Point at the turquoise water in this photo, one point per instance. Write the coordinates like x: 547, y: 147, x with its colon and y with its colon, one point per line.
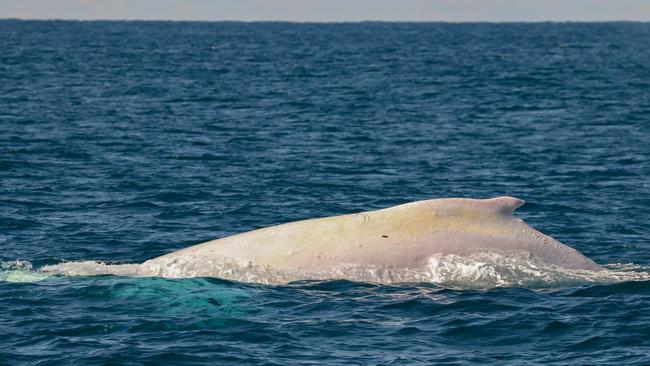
x: 123, y: 141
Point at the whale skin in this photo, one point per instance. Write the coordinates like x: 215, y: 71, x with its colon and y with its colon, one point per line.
x: 385, y: 245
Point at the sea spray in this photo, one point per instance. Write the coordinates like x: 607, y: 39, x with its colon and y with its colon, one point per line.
x: 480, y: 270
x: 19, y: 271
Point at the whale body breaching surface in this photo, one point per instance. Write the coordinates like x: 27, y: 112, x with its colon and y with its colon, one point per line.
x: 411, y: 242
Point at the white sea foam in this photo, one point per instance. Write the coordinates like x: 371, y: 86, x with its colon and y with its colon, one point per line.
x: 19, y: 271
x: 91, y: 268
x: 520, y: 269
x: 481, y: 270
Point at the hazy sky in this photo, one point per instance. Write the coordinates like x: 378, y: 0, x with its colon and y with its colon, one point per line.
x: 330, y: 10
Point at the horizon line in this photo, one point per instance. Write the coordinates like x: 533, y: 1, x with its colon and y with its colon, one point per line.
x: 317, y: 21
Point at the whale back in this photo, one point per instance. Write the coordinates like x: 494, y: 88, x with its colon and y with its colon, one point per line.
x: 401, y: 243
x: 403, y: 236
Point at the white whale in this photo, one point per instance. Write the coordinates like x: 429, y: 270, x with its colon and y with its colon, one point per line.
x: 395, y: 244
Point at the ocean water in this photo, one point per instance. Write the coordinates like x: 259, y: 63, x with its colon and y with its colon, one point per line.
x: 123, y: 141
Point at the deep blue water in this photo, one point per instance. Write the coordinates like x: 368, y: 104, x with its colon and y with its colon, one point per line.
x: 123, y: 141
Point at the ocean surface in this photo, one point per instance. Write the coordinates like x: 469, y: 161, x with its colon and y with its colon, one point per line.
x: 123, y: 141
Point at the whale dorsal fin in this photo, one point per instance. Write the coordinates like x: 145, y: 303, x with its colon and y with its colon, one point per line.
x: 505, y: 204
